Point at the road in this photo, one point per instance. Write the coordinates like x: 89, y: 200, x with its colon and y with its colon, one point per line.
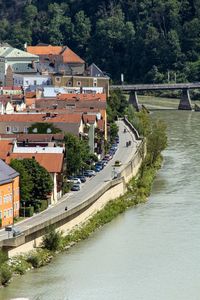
x: 90, y: 187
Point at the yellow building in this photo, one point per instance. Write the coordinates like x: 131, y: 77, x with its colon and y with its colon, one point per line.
x: 9, y: 194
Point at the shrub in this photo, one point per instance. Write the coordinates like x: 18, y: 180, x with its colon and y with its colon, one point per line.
x: 52, y: 240
x: 39, y: 258
x: 5, y: 274
x: 3, y: 257
x: 20, y: 265
x: 28, y: 211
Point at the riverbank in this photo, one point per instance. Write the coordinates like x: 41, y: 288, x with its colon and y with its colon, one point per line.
x: 138, y: 190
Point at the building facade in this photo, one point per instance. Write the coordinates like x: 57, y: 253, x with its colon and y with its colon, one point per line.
x: 9, y: 194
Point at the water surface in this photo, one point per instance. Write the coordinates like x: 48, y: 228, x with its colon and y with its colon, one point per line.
x: 151, y: 252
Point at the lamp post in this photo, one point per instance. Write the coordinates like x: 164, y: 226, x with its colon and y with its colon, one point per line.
x: 24, y: 209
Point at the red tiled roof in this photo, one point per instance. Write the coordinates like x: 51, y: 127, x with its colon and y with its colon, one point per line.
x: 70, y: 57
x: 45, y: 50
x: 67, y: 54
x: 5, y: 147
x: 86, y: 97
x: 11, y: 88
x: 33, y: 118
x: 52, y: 162
x: 89, y: 118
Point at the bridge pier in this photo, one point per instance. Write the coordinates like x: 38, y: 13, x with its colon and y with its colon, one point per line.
x: 185, y: 101
x: 133, y: 99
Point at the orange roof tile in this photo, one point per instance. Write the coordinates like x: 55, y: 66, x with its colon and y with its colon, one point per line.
x: 86, y: 97
x: 33, y: 118
x: 45, y: 50
x: 67, y: 54
x: 30, y: 101
x: 5, y: 147
x: 70, y: 57
x: 89, y: 118
x: 52, y: 162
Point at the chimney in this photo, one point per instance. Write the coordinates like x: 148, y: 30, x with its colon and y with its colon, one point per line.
x: 33, y: 64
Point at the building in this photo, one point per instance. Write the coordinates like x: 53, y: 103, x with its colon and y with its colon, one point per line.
x: 57, y: 59
x: 19, y: 123
x: 30, y: 80
x: 9, y: 194
x: 80, y: 81
x: 15, y: 61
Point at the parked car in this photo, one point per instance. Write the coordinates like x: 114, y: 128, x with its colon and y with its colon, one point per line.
x: 107, y: 157
x: 99, y: 165
x: 16, y: 232
x: 104, y: 162
x: 77, y: 180
x: 89, y: 173
x: 82, y: 178
x: 98, y: 168
x: 75, y: 187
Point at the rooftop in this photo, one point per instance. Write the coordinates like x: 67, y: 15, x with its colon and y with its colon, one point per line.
x: 7, y: 174
x: 52, y: 162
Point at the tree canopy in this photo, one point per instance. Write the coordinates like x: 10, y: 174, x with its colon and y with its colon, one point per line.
x: 35, y: 182
x: 147, y: 41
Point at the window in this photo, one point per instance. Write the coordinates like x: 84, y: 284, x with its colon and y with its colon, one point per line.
x: 27, y: 82
x: 69, y: 83
x: 58, y: 79
x: 94, y: 82
x: 15, y: 129
x: 8, y: 129
x: 25, y: 129
x: 35, y: 82
x: 78, y: 83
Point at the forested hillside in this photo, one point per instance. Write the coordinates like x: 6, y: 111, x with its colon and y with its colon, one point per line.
x: 144, y: 39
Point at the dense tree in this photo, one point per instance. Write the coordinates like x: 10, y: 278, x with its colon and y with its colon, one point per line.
x: 77, y: 153
x: 26, y: 184
x: 142, y: 39
x: 35, y: 182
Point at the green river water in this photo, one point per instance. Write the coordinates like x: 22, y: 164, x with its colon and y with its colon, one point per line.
x: 151, y: 252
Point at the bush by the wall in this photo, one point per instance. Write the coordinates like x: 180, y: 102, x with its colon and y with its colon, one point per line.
x: 28, y: 211
x: 5, y: 274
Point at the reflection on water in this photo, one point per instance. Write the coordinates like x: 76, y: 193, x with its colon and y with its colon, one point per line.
x: 152, y: 252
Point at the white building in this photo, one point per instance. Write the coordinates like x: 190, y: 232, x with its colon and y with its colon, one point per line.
x: 31, y: 80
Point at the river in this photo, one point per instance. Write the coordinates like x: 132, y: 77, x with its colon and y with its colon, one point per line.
x: 151, y: 252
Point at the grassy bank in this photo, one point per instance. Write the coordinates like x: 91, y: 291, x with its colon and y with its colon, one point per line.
x: 138, y: 190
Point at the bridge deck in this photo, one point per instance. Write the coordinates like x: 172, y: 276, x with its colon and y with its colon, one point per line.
x: 151, y: 87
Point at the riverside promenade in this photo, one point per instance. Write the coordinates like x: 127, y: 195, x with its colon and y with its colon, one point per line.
x: 94, y: 194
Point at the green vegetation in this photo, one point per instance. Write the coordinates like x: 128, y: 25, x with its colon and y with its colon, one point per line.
x: 43, y: 128
x: 35, y: 185
x: 78, y: 154
x: 148, y: 41
x: 52, y: 240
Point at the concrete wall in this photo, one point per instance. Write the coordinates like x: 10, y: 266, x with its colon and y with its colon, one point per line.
x: 80, y: 214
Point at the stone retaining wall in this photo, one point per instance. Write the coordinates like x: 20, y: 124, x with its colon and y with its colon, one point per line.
x: 68, y: 220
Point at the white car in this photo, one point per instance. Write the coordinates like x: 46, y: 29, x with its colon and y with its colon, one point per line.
x: 76, y: 180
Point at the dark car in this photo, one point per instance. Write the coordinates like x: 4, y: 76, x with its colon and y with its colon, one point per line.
x: 98, y: 168
x: 99, y: 165
x: 16, y: 232
x: 82, y: 178
x: 76, y: 187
